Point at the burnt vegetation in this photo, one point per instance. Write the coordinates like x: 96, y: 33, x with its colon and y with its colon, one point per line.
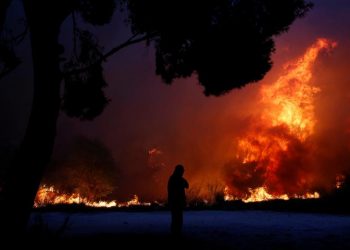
x: 334, y: 202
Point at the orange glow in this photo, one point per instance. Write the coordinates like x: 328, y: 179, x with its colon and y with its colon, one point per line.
x: 260, y: 194
x: 290, y: 100
x: 271, y: 152
x: 227, y: 195
x: 48, y: 195
x: 287, y: 120
x: 340, y: 178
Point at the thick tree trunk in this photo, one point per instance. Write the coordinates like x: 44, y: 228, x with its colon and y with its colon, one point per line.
x: 36, y: 148
x: 4, y: 4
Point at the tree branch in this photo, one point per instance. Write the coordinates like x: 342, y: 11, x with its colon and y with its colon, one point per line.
x: 75, y: 31
x: 130, y: 41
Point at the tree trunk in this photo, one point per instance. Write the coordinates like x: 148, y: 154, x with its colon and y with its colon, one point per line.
x: 4, y: 4
x: 36, y: 148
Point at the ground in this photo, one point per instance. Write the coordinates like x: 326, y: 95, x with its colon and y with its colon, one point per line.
x: 202, y: 229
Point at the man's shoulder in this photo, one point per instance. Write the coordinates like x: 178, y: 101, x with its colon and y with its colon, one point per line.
x: 185, y: 182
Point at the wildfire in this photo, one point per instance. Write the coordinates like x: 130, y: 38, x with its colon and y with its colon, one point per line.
x: 227, y: 195
x: 270, y: 154
x: 290, y: 100
x: 260, y: 194
x: 49, y: 195
x: 282, y: 129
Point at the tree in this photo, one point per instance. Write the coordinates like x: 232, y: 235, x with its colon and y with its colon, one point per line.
x: 8, y: 59
x: 226, y: 43
x: 36, y: 148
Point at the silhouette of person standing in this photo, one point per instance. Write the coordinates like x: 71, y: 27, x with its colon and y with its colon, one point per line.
x: 177, y: 198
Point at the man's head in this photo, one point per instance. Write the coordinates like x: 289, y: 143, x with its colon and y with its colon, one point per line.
x: 179, y: 170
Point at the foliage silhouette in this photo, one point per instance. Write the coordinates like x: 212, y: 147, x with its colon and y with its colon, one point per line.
x: 227, y: 44
x: 83, y: 91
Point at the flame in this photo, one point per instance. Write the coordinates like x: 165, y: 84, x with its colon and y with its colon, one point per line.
x: 227, y: 195
x: 287, y: 120
x: 260, y: 194
x: 49, y: 195
x: 135, y: 202
x: 290, y: 100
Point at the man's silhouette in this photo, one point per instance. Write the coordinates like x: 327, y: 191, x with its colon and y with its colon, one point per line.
x: 177, y: 198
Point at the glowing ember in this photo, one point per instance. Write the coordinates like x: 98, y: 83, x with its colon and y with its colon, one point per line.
x: 49, y: 195
x: 277, y: 136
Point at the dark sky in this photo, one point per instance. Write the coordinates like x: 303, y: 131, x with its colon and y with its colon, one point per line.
x: 178, y: 120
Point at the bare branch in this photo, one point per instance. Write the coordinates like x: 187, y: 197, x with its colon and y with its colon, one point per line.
x: 130, y: 41
x: 75, y: 31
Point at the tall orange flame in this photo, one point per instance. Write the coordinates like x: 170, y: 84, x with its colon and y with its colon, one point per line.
x: 286, y: 122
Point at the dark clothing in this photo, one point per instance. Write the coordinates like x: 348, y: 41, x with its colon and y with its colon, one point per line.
x: 176, y: 191
x: 177, y: 201
x: 176, y: 221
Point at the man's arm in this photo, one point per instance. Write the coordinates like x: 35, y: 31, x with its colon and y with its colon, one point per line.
x: 185, y: 184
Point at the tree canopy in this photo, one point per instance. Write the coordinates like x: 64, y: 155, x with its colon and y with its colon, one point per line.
x: 226, y: 43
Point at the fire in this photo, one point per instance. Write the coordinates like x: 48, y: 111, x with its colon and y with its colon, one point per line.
x: 290, y: 100
x: 49, y: 195
x: 227, y: 195
x: 286, y: 122
x: 270, y: 153
x: 135, y: 202
x: 260, y: 194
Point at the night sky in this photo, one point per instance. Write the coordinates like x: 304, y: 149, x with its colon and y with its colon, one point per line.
x: 179, y: 120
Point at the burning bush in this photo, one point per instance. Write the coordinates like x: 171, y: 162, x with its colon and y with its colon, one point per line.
x: 88, y: 169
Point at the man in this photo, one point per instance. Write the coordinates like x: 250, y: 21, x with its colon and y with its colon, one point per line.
x: 177, y: 198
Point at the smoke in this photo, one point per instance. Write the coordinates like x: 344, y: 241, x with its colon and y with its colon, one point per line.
x: 151, y: 131
x: 203, y: 133
x: 179, y: 125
